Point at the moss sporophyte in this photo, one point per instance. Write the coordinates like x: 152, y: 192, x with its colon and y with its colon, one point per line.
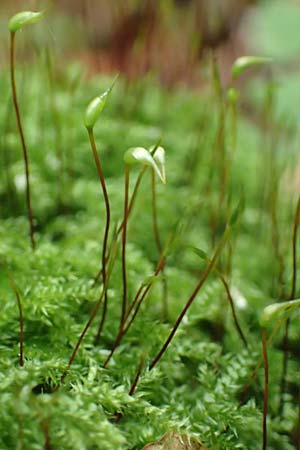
x: 17, y: 22
x: 169, y: 371
x: 92, y: 114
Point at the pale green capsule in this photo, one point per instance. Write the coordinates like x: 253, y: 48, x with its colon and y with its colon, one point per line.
x: 245, y: 62
x: 95, y: 107
x: 141, y: 155
x: 277, y: 310
x: 159, y: 158
x: 23, y: 18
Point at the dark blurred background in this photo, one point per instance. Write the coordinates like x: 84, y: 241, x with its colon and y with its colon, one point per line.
x: 168, y: 37
x: 171, y: 39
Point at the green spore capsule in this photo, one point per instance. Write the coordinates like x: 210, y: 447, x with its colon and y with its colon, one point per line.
x: 23, y: 18
x: 160, y: 159
x: 141, y: 155
x: 277, y: 311
x: 245, y: 62
x: 95, y: 107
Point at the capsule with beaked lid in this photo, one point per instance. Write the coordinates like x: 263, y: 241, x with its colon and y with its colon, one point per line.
x: 24, y: 18
x: 276, y: 311
x: 95, y: 107
x: 139, y: 155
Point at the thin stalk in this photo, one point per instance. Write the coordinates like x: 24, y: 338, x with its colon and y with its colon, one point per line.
x: 137, y: 376
x: 266, y: 388
x: 88, y: 324
x: 11, y: 191
x: 119, y: 415
x: 21, y: 320
x: 133, y: 196
x: 82, y: 335
x: 114, y: 346
x: 192, y: 297
x: 22, y: 137
x: 139, y: 302
x: 159, y: 245
x: 259, y: 363
x: 124, y: 235
x: 220, y: 147
x: 231, y: 302
x: 131, y: 203
x: 292, y: 296
x: 138, y: 299
x: 121, y: 331
x: 106, y: 231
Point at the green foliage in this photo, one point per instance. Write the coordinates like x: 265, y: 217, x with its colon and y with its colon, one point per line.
x: 198, y: 385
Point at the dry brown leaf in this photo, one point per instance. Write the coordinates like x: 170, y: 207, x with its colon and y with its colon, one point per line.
x: 175, y: 441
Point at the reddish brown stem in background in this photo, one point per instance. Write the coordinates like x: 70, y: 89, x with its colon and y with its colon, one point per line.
x: 137, y: 300
x: 121, y: 331
x: 292, y: 296
x: 133, y: 197
x: 137, y: 376
x: 231, y: 302
x: 81, y: 337
x: 131, y: 203
x: 106, y: 231
x: 119, y: 416
x: 259, y: 363
x: 266, y: 388
x: 21, y: 320
x: 191, y: 298
x: 22, y: 137
x: 124, y: 235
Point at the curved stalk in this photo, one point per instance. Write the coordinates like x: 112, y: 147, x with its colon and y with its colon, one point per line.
x: 232, y: 307
x: 192, y: 297
x: 22, y: 137
x: 106, y: 231
x: 119, y: 416
x: 138, y: 300
x: 81, y: 337
x: 137, y: 376
x: 131, y: 203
